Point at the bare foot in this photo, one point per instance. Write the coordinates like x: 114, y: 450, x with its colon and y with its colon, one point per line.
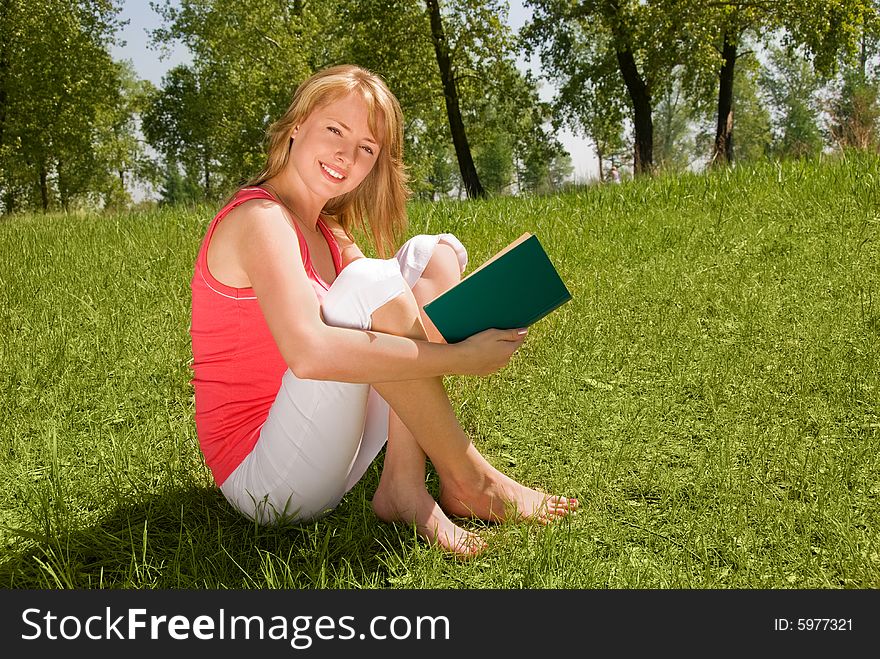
x: 431, y: 522
x: 501, y: 498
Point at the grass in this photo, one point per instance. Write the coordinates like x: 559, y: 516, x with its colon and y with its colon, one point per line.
x: 710, y: 394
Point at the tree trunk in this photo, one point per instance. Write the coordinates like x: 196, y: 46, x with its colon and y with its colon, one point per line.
x: 206, y: 164
x: 722, y: 152
x: 643, y: 150
x: 4, y: 68
x: 63, y: 189
x: 44, y: 187
x: 453, y: 109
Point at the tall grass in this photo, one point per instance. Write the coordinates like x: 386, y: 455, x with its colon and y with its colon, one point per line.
x: 710, y: 394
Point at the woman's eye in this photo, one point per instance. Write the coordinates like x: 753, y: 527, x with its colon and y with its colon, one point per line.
x: 334, y: 130
x: 368, y: 149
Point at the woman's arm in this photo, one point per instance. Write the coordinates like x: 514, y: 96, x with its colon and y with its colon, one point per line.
x: 268, y: 250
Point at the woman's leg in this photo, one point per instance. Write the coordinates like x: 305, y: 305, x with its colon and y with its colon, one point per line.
x: 423, y: 422
x: 401, y: 495
x: 319, y: 436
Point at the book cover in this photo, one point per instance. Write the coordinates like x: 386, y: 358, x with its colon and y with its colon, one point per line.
x: 515, y: 288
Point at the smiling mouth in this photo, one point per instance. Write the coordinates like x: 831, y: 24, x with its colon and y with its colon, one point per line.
x: 339, y: 176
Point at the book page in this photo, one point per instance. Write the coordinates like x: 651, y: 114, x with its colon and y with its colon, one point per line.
x: 504, y: 251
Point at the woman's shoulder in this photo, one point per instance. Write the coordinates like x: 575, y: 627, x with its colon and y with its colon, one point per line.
x: 251, y: 218
x: 253, y: 203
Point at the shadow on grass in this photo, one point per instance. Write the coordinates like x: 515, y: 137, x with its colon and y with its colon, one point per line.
x: 190, y: 537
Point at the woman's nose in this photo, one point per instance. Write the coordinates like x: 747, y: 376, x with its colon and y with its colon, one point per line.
x: 346, y: 153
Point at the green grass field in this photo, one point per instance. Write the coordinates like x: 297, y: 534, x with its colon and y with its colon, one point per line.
x: 710, y: 394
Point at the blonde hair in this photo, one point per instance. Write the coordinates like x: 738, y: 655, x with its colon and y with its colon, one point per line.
x: 378, y: 204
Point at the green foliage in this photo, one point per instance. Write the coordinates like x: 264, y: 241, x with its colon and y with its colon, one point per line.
x: 827, y: 29
x: 753, y: 135
x: 371, y: 33
x: 495, y: 163
x: 577, y: 47
x: 248, y: 56
x: 178, y: 188
x: 118, y: 146
x: 180, y: 122
x: 855, y: 111
x: 70, y: 116
x: 824, y: 30
x: 673, y: 130
x: 676, y: 47
x: 65, y: 129
x: 792, y: 86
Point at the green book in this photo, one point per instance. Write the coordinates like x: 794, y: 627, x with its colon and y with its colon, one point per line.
x: 515, y: 288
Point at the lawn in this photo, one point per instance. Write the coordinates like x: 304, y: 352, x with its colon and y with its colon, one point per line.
x: 710, y: 394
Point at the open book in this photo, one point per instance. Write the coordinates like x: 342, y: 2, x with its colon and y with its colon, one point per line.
x: 515, y: 288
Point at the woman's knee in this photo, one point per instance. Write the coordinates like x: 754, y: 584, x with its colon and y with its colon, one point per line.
x: 440, y: 274
x: 443, y: 266
x: 440, y: 257
x: 363, y: 287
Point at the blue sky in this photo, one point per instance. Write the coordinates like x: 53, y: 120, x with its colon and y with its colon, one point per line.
x: 151, y: 64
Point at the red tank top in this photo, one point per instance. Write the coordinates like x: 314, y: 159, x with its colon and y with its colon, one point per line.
x: 237, y: 367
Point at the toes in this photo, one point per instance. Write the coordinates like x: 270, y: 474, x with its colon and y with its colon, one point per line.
x: 563, y: 504
x: 556, y: 507
x: 467, y: 546
x: 472, y: 545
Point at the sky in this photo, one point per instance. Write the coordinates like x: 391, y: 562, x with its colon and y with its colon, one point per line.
x: 151, y: 64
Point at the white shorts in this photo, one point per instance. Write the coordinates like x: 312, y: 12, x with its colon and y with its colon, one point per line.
x: 321, y: 436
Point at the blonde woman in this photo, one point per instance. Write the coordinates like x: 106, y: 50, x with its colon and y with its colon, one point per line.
x: 301, y: 343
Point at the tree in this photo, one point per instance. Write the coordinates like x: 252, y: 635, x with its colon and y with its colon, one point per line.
x: 753, y: 127
x: 177, y: 188
x: 596, y: 48
x: 855, y: 110
x: 453, y: 107
x: 792, y: 85
x: 543, y: 173
x: 370, y: 33
x: 825, y: 28
x: 181, y: 122
x: 58, y: 85
x: 117, y: 143
x: 247, y: 58
x: 487, y: 111
x: 673, y: 146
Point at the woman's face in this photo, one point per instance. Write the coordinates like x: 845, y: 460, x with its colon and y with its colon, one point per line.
x: 334, y: 148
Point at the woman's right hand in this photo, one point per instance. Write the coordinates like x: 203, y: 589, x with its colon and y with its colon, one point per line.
x: 490, y: 350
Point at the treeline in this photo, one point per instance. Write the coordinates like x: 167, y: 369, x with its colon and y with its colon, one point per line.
x: 666, y: 68
x: 657, y: 84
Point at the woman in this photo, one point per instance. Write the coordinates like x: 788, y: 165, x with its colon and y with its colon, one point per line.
x: 300, y: 343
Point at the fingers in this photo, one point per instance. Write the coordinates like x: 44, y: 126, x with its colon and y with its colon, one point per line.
x: 515, y: 335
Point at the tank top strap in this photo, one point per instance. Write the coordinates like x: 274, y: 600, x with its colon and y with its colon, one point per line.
x: 335, y: 252
x: 243, y: 195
